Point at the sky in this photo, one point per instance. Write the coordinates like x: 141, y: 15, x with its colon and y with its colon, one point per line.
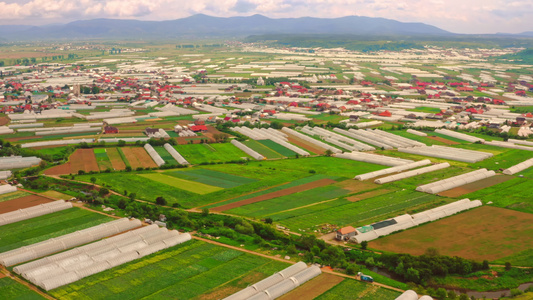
x: 459, y: 16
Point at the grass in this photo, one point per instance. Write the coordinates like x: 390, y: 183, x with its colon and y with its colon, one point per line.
x: 10, y: 289
x: 202, y: 153
x: 165, y: 155
x: 56, y: 153
x: 16, y: 235
x: 263, y: 149
x: 278, y: 148
x: 13, y: 195
x: 431, y: 110
x: 504, y: 160
x: 283, y: 203
x: 350, y: 289
x: 123, y: 157
x: 191, y: 186
x: 212, y: 178
x: 505, y: 280
x: 181, y: 272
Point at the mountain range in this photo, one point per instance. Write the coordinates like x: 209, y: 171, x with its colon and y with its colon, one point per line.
x: 203, y: 26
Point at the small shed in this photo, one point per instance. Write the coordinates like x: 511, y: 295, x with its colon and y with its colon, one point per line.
x: 345, y: 233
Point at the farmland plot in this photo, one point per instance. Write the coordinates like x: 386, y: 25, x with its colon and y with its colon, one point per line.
x: 182, y: 272
x: 22, y: 202
x: 137, y: 157
x: 102, y: 159
x: 44, y: 227
x: 513, y: 194
x: 191, y: 186
x: 11, y: 289
x: 278, y: 148
x: 262, y: 149
x: 220, y: 152
x: 116, y: 160
x: 352, y: 289
x: 213, y: 178
x: 165, y: 155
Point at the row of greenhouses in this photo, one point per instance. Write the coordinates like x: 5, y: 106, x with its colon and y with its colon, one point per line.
x: 455, y: 181
x: 270, y: 134
x: 278, y: 284
x: 70, y: 266
x: 64, y: 242
x: 374, y: 158
x: 457, y: 154
x: 6, y: 188
x: 508, y: 145
x: 412, y: 173
x: 519, y: 167
x: 310, y: 140
x: 154, y: 155
x: 458, y: 135
x: 34, y: 211
x: 337, y: 139
x: 369, y: 232
x: 395, y: 169
x: 56, y: 143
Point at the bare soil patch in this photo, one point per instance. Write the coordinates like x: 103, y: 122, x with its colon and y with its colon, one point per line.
x: 483, y: 233
x: 144, y: 158
x: 59, y: 170
x: 443, y: 140
x: 356, y: 186
x: 367, y: 195
x: 313, y: 288
x: 284, y: 192
x: 305, y: 144
x: 23, y: 202
x: 116, y: 160
x: 81, y: 159
x: 474, y: 186
x: 26, y: 54
x: 4, y: 121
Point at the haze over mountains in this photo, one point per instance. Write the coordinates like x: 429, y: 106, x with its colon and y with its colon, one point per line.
x: 203, y: 26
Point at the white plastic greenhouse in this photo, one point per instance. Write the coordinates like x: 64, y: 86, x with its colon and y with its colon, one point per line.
x: 408, y: 295
x: 154, y: 155
x: 374, y: 158
x: 278, y: 284
x: 337, y: 139
x: 5, y: 175
x: 127, y: 140
x: 396, y: 169
x: 508, y: 145
x: 6, y: 130
x: 67, y: 267
x: 34, y: 211
x: 457, y: 154
x: 67, y: 241
x: 18, y: 162
x: 412, y: 173
x: 456, y: 181
x: 416, y: 132
x: 360, y: 135
x: 519, y: 167
x: 458, y: 135
x: 522, y: 142
x: 56, y: 143
x: 4, y: 189
x: 175, y: 154
x: 247, y: 150
x: 407, y: 221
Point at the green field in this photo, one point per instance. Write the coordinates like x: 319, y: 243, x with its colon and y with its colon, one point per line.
x: 102, y: 159
x: 16, y: 235
x: 344, y: 212
x: 268, y: 173
x: 278, y: 148
x: 201, y: 153
x: 123, y: 157
x: 352, y: 289
x: 13, y: 195
x: 212, y: 178
x: 280, y: 187
x: 182, y: 272
x: 165, y: 155
x: 191, y: 186
x: 504, y: 160
x: 513, y: 194
x: 262, y: 149
x: 10, y: 290
x: 431, y: 110
x: 272, y: 206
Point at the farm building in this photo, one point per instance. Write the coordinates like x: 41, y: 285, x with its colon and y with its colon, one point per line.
x: 345, y: 233
x: 198, y: 128
x: 110, y: 130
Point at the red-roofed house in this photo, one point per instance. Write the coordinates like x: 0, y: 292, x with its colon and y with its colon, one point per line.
x: 345, y: 233
x: 197, y: 128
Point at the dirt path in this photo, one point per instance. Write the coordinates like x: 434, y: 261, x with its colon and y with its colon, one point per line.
x: 284, y: 192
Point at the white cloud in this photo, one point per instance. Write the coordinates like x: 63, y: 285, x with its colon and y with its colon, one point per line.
x: 473, y: 16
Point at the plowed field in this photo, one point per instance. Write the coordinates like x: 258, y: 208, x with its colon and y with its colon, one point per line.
x: 81, y: 159
x: 314, y: 288
x: 23, y: 202
x: 138, y: 157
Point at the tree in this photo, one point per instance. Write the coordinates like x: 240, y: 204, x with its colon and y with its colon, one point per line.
x: 132, y: 196
x: 485, y: 264
x: 103, y: 192
x: 364, y: 245
x: 352, y: 269
x: 412, y: 275
x: 452, y: 295
x: 432, y: 251
x: 205, y: 211
x: 463, y: 297
x: 507, y: 266
x: 93, y: 180
x: 328, y: 152
x: 121, y: 143
x: 160, y: 201
x: 441, y: 294
x: 269, y: 220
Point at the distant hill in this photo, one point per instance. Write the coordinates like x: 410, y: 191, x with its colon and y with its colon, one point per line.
x: 203, y: 26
